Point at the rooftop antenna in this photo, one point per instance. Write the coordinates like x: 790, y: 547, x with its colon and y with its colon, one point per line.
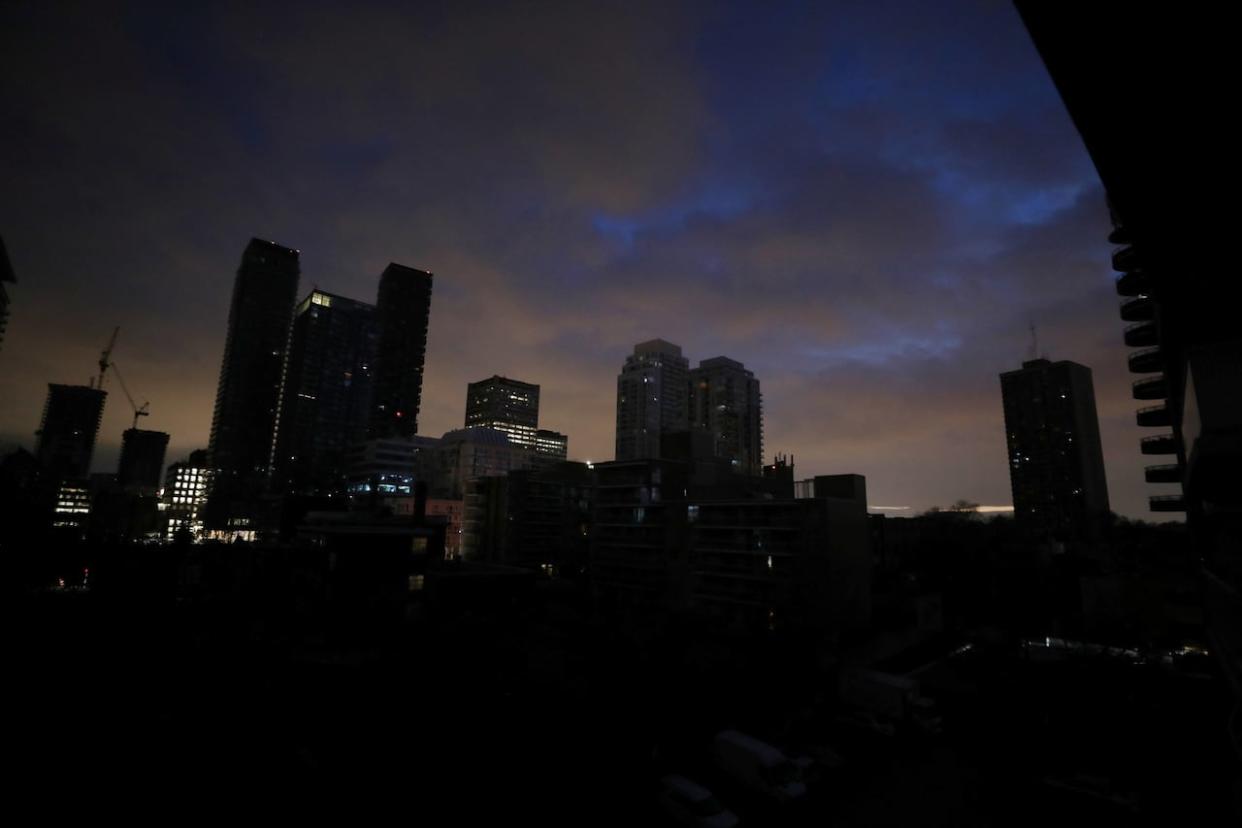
x: 1034, y: 341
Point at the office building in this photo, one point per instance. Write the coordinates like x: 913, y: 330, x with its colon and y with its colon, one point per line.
x: 386, y: 467
x: 71, y: 418
x: 142, y: 461
x: 325, y: 399
x: 550, y: 447
x: 248, y: 394
x: 1056, y: 465
x: 72, y: 507
x: 651, y: 398
x: 725, y: 401
x: 402, y: 310
x: 185, y: 495
x: 506, y: 405
x: 466, y: 454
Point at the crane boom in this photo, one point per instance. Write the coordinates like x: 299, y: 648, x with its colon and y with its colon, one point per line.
x: 138, y: 411
x: 105, y: 358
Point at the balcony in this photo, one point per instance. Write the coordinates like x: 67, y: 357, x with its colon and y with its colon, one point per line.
x: 1167, y: 503
x: 1132, y: 283
x: 1147, y: 361
x: 1151, y: 388
x: 1125, y: 259
x: 1167, y: 473
x: 1158, y: 444
x: 1154, y: 416
x: 1142, y: 335
x: 1138, y: 309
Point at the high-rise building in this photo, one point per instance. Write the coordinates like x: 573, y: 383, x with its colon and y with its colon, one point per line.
x: 71, y: 418
x: 185, y: 495
x: 725, y: 401
x: 325, y: 399
x: 142, y: 460
x: 264, y: 292
x: 1056, y: 465
x: 506, y: 405
x: 6, y: 275
x: 651, y: 398
x: 402, y: 311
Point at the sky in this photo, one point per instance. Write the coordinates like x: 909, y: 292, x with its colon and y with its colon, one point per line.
x: 867, y: 204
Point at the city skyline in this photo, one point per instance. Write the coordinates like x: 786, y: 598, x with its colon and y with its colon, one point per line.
x: 858, y: 286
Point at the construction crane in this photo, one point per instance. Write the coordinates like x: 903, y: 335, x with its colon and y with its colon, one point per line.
x: 105, y: 358
x: 106, y: 362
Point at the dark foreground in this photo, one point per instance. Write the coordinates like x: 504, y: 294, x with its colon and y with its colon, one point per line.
x: 165, y: 710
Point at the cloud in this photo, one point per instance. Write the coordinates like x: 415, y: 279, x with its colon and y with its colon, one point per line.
x: 866, y: 206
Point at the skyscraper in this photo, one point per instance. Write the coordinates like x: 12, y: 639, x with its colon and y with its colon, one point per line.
x: 1056, y: 465
x: 402, y: 311
x: 246, y: 400
x: 142, y: 460
x: 71, y: 418
x: 249, y: 390
x: 651, y: 398
x: 725, y: 401
x: 506, y: 405
x: 325, y: 399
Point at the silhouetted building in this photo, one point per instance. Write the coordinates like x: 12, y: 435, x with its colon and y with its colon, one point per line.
x: 638, y: 559
x: 244, y: 421
x: 185, y: 495
x: 466, y: 454
x: 676, y: 536
x: 142, y: 461
x: 6, y: 275
x: 402, y: 311
x: 725, y: 401
x: 779, y: 473
x: 841, y: 486
x: 1056, y: 465
x: 651, y: 398
x: 325, y: 401
x: 506, y: 405
x: 537, y: 518
x: 1184, y: 315
x: 71, y: 418
x: 387, y: 467
x: 781, y: 564
x: 550, y: 447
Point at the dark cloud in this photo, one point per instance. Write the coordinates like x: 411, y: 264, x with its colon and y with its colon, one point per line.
x: 866, y: 206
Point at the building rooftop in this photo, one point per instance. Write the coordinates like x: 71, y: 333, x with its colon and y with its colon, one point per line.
x: 657, y: 346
